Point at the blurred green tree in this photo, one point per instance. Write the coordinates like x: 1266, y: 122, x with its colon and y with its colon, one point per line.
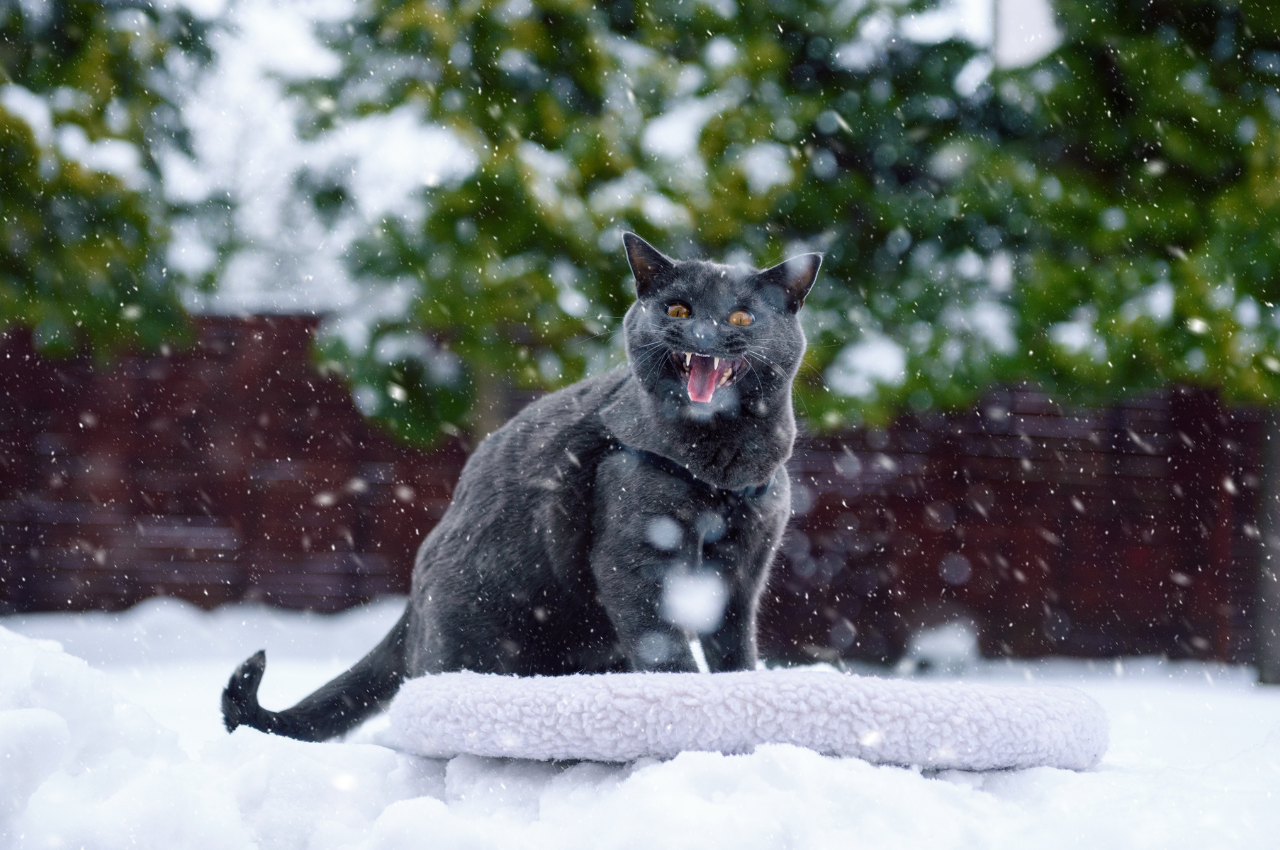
x: 741, y: 131
x: 1135, y: 182
x: 83, y: 98
x: 1096, y: 222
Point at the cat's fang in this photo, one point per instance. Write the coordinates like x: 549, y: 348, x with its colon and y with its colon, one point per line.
x: 687, y: 357
x: 717, y: 363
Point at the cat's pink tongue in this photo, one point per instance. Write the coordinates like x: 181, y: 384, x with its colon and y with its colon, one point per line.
x: 703, y: 377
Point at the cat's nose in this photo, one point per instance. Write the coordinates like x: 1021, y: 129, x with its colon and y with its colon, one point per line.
x: 704, y: 333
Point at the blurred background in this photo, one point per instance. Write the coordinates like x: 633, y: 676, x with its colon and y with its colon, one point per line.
x: 270, y: 269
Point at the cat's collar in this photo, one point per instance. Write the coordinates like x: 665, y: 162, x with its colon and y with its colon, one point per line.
x: 677, y: 470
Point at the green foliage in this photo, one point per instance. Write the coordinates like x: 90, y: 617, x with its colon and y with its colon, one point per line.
x: 518, y: 268
x: 81, y: 221
x: 1098, y: 223
x: 1143, y: 182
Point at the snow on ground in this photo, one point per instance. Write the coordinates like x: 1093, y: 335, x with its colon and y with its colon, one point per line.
x: 125, y: 748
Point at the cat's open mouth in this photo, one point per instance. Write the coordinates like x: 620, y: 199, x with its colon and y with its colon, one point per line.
x: 706, y: 374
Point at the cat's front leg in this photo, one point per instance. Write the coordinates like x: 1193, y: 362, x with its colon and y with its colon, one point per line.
x: 633, y: 605
x: 636, y: 543
x: 732, y: 646
x: 632, y: 599
x: 743, y: 554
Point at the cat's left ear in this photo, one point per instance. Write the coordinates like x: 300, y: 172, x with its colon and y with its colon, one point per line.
x: 794, y: 276
x: 650, y: 266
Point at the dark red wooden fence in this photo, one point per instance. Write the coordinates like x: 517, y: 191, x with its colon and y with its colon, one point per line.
x: 1125, y: 530
x: 231, y: 471
x: 236, y: 470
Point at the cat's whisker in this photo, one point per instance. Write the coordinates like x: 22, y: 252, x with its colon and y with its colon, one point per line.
x: 649, y: 359
x: 764, y: 359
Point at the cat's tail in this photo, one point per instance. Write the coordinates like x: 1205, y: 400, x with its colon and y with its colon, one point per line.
x: 333, y: 709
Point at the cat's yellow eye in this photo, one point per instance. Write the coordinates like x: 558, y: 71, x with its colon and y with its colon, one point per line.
x: 741, y: 318
x: 678, y: 310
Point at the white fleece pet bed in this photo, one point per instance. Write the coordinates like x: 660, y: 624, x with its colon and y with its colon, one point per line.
x: 624, y: 716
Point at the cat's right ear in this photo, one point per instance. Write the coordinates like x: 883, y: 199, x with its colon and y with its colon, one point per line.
x: 649, y: 265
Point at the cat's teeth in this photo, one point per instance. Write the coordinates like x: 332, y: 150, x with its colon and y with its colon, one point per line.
x: 716, y: 365
x: 687, y: 357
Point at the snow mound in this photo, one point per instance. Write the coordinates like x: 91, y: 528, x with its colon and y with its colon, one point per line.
x: 81, y: 766
x: 67, y: 740
x: 625, y: 716
x: 87, y: 759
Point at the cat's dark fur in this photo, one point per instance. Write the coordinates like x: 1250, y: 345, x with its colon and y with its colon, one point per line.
x: 553, y: 555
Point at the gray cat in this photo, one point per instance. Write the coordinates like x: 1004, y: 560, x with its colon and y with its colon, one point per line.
x: 572, y: 523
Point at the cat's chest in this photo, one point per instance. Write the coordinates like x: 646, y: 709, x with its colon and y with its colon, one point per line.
x: 660, y: 500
